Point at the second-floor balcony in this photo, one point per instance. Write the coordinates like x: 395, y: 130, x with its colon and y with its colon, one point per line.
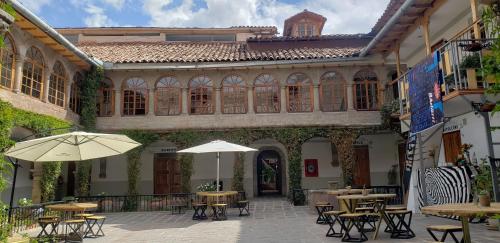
x: 461, y: 68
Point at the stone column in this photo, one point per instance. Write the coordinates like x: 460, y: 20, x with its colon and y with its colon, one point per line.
x: 36, y: 190
x: 350, y: 96
x: 67, y: 95
x: 184, y: 101
x: 218, y: 107
x: 316, y: 97
x: 118, y: 103
x: 283, y: 99
x: 151, y: 101
x: 250, y: 107
x: 18, y: 78
x: 46, y: 85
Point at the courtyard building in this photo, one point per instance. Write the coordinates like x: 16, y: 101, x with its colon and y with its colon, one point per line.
x: 332, y: 94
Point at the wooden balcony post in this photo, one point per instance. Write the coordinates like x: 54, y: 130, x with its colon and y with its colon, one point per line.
x: 473, y: 7
x: 425, y: 30
x: 398, y: 60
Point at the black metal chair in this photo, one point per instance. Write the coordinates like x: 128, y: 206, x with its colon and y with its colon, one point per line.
x: 446, y: 229
x: 401, y: 224
x: 322, y: 207
x: 96, y: 221
x: 244, y: 207
x: 333, y: 217
x: 199, y: 211
x: 352, y: 221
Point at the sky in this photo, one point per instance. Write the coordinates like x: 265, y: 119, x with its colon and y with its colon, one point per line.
x: 343, y: 16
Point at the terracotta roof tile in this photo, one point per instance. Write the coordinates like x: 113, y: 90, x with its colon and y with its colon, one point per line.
x: 162, y: 52
x: 391, y: 9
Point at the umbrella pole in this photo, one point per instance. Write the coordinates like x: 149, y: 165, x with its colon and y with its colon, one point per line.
x: 217, y: 186
x: 11, y: 203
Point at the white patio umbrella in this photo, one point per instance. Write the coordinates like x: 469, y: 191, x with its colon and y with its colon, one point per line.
x: 74, y: 146
x: 217, y: 146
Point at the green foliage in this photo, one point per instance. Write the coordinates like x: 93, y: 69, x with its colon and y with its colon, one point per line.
x: 24, y: 202
x: 491, y: 60
x: 238, y: 172
x: 483, y: 183
x: 6, y: 123
x: 471, y: 61
x: 134, y: 157
x: 5, y: 229
x: 48, y: 183
x: 89, y: 98
x: 7, y: 7
x: 186, y: 161
x: 83, y: 177
x: 386, y: 112
x: 206, y: 187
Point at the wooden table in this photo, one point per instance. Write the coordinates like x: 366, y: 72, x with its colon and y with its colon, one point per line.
x: 351, y: 200
x: 72, y: 207
x: 463, y: 210
x: 347, y: 191
x: 216, y: 195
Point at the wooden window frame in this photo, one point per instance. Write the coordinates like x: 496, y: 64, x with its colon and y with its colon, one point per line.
x: 30, y: 62
x: 210, y: 90
x: 11, y: 53
x: 57, y: 91
x: 322, y: 84
x: 167, y: 81
x: 231, y: 85
x: 136, y: 93
x: 301, y: 87
x: 267, y: 82
x: 100, y: 97
x: 365, y: 81
x: 75, y: 96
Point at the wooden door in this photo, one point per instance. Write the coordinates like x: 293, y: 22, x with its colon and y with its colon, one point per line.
x: 167, y: 175
x: 452, y: 146
x: 361, y: 170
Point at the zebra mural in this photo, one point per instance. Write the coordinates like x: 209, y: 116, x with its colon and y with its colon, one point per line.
x: 445, y: 185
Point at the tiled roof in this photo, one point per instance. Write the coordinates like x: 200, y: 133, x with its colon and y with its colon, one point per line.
x: 309, y: 38
x: 162, y: 52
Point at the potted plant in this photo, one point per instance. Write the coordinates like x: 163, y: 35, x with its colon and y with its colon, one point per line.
x: 469, y: 66
x: 483, y: 185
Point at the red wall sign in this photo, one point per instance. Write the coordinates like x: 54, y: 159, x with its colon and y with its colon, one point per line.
x: 311, y: 167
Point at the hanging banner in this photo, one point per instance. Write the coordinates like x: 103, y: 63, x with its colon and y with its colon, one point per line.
x: 426, y: 105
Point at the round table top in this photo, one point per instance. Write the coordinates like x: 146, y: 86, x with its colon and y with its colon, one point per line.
x: 217, y: 194
x: 74, y: 207
x: 347, y: 191
x: 369, y: 196
x: 461, y: 209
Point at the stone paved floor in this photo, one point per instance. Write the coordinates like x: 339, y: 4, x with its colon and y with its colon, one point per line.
x: 271, y: 220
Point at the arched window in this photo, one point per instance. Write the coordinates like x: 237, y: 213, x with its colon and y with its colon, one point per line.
x: 266, y: 94
x: 105, y: 98
x: 300, y: 93
x: 135, y: 97
x: 366, y: 90
x: 75, y: 101
x: 33, y: 73
x: 57, y: 84
x: 234, y: 95
x: 7, y: 63
x: 332, y: 91
x: 168, y: 97
x: 201, y: 98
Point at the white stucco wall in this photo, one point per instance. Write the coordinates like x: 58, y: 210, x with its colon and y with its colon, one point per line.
x: 320, y: 149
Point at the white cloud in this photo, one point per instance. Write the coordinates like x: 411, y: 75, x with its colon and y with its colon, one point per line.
x: 35, y: 5
x: 117, y: 4
x: 353, y: 16
x: 96, y: 17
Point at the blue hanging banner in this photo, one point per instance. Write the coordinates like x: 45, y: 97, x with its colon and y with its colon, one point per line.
x: 426, y: 103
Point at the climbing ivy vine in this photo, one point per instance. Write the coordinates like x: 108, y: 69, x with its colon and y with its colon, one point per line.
x: 41, y: 125
x: 50, y: 172
x: 89, y: 98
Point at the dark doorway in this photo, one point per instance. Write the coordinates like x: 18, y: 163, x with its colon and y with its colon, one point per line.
x: 402, y: 160
x: 269, y: 173
x: 70, y: 188
x: 361, y: 166
x: 167, y: 174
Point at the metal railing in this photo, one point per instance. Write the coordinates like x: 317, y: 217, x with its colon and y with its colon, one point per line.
x: 25, y: 217
x: 460, y: 64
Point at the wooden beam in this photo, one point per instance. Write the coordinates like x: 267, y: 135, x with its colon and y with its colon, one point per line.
x: 398, y: 60
x: 473, y: 8
x: 425, y: 32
